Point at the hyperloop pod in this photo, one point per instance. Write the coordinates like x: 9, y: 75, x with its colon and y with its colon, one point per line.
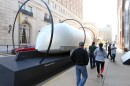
x: 126, y: 58
x: 65, y: 38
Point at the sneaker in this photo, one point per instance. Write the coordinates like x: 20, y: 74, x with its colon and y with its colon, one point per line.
x: 98, y: 76
x: 101, y: 75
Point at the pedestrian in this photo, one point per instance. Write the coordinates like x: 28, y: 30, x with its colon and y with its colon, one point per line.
x: 113, y: 52
x: 100, y: 55
x: 109, y: 51
x: 91, y: 55
x: 80, y: 58
x: 106, y: 46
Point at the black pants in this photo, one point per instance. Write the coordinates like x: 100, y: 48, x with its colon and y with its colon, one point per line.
x: 113, y: 57
x: 109, y: 53
x: 92, y: 60
x: 100, y: 67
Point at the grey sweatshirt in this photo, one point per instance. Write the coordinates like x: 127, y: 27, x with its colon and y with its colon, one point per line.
x: 100, y: 55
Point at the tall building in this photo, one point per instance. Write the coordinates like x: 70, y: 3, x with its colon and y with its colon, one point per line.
x: 33, y: 16
x: 105, y: 34
x: 120, y: 15
x: 124, y: 23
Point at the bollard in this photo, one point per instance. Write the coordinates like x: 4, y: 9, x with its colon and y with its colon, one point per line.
x: 7, y: 48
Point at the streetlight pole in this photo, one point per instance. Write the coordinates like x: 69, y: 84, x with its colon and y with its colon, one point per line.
x: 81, y: 26
x: 52, y: 26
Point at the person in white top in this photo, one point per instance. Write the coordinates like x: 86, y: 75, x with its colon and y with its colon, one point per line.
x: 100, y: 55
x: 113, y: 52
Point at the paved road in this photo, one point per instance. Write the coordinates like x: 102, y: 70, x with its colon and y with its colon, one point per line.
x: 115, y: 74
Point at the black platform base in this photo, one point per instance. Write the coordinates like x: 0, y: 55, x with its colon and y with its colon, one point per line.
x: 127, y: 62
x: 29, y: 72
x: 126, y: 58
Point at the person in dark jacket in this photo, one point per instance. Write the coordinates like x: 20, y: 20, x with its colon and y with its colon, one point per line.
x: 109, y: 51
x: 91, y: 55
x: 80, y: 59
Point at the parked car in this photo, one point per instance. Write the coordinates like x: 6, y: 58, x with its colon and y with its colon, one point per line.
x: 25, y: 48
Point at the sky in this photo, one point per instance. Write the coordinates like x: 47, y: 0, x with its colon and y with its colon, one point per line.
x: 101, y: 12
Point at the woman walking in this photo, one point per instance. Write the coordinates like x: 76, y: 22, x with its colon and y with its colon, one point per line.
x: 100, y: 55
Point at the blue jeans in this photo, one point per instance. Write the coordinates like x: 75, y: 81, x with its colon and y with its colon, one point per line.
x: 113, y: 57
x: 81, y: 70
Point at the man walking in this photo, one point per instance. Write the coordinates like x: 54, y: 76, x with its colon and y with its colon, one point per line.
x: 109, y: 51
x: 80, y: 58
x: 91, y: 55
x: 113, y: 52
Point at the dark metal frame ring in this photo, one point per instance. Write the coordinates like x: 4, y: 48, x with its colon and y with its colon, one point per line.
x: 81, y: 26
x: 91, y: 31
x: 52, y: 26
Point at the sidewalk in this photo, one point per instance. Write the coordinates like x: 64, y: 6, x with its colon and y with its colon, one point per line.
x: 115, y: 74
x: 5, y: 55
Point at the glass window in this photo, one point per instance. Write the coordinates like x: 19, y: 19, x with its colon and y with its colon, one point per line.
x: 20, y: 4
x: 58, y: 8
x: 59, y: 0
x: 46, y: 15
x: 24, y: 34
x: 55, y: 6
x: 127, y: 5
x: 65, y: 3
x: 63, y: 11
x: 52, y: 4
x: 47, y: 1
x: 29, y: 8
